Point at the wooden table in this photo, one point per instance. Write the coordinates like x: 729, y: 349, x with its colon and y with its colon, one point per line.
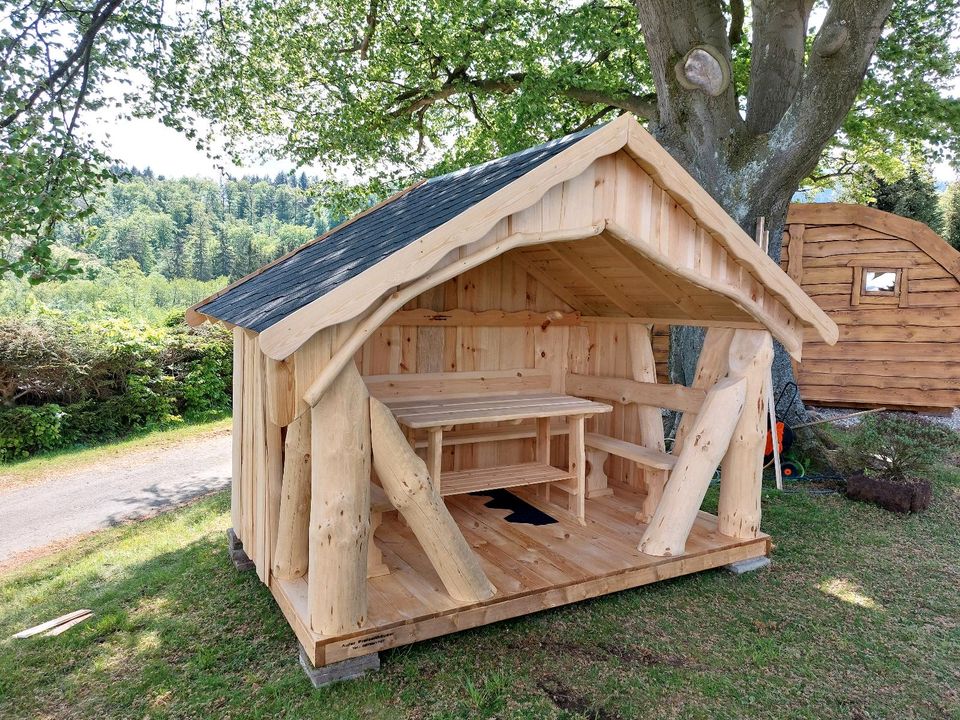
x: 437, y: 414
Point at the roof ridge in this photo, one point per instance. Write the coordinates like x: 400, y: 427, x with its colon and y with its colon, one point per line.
x: 518, y: 154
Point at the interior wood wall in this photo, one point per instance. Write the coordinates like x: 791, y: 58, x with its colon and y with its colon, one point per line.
x: 596, y: 346
x: 887, y: 355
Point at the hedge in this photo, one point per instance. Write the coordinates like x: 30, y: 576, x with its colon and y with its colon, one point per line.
x: 71, y: 383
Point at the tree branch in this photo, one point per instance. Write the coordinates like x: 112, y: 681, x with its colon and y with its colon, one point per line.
x: 735, y: 35
x: 776, y: 65
x: 829, y: 88
x: 68, y: 68
x: 412, y: 101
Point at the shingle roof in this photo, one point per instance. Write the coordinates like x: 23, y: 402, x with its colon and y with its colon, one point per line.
x: 264, y: 298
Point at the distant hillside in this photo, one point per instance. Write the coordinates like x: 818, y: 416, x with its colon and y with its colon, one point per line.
x: 198, y: 228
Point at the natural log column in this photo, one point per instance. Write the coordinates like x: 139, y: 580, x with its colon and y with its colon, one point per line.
x: 751, y: 354
x: 643, y: 368
x: 408, y: 486
x: 710, y: 434
x: 339, y: 506
x: 291, y: 558
x: 711, y: 366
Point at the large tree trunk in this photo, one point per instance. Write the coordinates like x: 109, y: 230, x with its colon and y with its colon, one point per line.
x: 752, y: 163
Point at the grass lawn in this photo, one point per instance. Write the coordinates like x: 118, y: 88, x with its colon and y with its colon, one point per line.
x: 41, y: 467
x: 859, y: 617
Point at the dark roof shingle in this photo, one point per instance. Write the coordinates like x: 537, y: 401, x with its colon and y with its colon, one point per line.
x: 310, y: 273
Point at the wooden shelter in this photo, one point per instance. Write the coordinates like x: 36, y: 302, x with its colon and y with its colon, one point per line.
x: 445, y: 409
x: 892, y: 285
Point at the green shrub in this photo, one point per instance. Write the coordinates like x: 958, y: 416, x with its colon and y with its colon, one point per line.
x: 105, y: 378
x: 896, y: 446
x: 27, y: 430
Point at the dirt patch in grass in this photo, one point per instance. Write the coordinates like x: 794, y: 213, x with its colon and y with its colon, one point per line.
x: 570, y: 700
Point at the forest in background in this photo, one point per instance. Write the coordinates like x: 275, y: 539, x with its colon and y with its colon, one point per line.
x: 107, y: 352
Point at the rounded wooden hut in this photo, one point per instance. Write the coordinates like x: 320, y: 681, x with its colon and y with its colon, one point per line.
x: 446, y: 410
x: 892, y: 285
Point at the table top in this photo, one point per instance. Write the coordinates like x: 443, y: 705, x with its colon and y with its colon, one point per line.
x: 439, y: 412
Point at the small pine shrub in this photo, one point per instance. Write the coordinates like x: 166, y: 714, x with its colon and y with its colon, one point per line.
x: 897, y: 446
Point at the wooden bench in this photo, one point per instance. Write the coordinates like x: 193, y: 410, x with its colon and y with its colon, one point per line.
x: 599, y: 447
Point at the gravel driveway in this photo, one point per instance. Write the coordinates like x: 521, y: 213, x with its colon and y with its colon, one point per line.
x: 113, y: 490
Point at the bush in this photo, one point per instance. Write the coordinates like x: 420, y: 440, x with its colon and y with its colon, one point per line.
x: 79, y: 383
x: 896, y: 446
x: 27, y: 430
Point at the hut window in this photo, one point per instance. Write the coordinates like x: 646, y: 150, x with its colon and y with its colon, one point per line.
x: 880, y: 282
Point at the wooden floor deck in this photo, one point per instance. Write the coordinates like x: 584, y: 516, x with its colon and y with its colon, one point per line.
x: 533, y: 567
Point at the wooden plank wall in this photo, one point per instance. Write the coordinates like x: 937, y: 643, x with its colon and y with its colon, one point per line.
x: 256, y: 496
x: 887, y: 354
x: 497, y: 285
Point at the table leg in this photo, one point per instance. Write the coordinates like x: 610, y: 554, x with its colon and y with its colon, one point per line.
x: 577, y: 466
x: 434, y: 454
x: 543, y: 449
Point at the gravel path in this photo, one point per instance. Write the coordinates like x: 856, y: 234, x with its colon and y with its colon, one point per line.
x: 112, y: 491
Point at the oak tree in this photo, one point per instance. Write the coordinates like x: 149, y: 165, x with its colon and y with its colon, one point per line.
x: 752, y: 100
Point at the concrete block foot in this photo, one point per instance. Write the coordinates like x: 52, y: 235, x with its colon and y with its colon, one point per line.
x: 239, y: 557
x: 338, y: 671
x: 745, y: 566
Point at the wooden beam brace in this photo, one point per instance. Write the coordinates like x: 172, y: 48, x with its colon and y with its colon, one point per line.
x: 425, y: 317
x: 581, y: 266
x: 410, y: 489
x: 668, y: 288
x: 647, y: 394
x: 549, y: 282
x: 711, y: 366
x: 667, y: 532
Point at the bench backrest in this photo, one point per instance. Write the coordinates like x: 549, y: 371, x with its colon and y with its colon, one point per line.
x: 414, y: 386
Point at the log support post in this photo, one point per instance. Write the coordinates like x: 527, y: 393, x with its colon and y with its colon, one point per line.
x: 643, y: 368
x: 711, y: 366
x: 707, y: 441
x: 407, y: 484
x: 339, y: 506
x: 751, y: 353
x: 291, y: 557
